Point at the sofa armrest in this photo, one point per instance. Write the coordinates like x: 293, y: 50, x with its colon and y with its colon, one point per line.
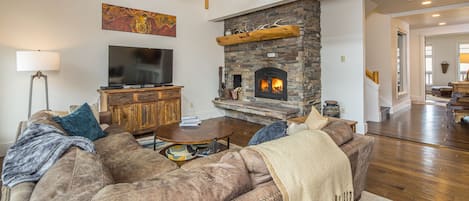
x: 21, y: 127
x: 19, y: 192
x: 105, y: 118
x: 359, y: 152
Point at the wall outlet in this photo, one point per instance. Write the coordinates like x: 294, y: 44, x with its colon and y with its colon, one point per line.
x: 342, y: 59
x: 271, y: 54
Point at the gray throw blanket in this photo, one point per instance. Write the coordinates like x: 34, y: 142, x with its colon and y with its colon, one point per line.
x: 36, y: 150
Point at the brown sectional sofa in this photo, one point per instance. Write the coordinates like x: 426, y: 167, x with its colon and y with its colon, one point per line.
x: 123, y: 170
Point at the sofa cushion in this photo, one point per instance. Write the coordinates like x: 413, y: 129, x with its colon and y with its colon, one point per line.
x: 136, y: 165
x: 81, y: 122
x: 224, y: 180
x: 339, y: 131
x: 258, y: 171
x: 212, y: 158
x: 315, y: 120
x: 78, y: 175
x: 113, y: 144
x: 45, y: 117
x: 265, y: 192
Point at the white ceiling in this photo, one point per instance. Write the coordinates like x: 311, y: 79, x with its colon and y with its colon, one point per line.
x: 450, y: 17
x: 397, y: 6
x: 420, y: 16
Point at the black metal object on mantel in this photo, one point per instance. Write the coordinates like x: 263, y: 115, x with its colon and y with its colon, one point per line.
x: 223, y: 93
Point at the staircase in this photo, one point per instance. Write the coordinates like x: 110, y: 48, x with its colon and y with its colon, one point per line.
x: 385, y: 113
x: 373, y: 111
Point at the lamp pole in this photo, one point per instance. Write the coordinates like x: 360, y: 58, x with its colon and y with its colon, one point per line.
x: 38, y: 75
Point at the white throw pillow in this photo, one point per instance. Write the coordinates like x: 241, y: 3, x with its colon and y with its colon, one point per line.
x: 315, y: 120
x: 295, y: 128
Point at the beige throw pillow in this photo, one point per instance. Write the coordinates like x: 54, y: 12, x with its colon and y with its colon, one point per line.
x: 315, y: 120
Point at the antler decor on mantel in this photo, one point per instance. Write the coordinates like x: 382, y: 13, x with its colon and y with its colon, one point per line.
x: 284, y: 31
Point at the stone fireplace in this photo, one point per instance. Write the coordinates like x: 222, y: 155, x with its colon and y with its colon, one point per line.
x: 271, y: 83
x: 280, y: 78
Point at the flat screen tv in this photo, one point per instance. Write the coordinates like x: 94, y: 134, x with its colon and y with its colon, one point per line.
x: 140, y: 66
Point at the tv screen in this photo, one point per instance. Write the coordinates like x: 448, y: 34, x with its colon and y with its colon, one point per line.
x: 139, y: 66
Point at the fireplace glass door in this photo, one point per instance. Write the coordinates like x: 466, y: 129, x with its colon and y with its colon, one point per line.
x: 271, y: 83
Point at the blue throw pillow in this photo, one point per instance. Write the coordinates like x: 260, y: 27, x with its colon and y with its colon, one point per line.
x: 82, y: 123
x: 269, y: 132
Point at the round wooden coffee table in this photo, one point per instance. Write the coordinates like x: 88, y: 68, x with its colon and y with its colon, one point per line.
x: 206, y: 133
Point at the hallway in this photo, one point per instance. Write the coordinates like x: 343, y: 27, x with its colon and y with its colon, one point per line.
x: 423, y: 124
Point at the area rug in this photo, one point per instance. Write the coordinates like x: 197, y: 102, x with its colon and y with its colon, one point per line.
x: 147, y: 142
x: 367, y: 196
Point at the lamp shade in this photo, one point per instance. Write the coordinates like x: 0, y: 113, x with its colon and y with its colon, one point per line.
x: 37, y: 61
x: 464, y: 58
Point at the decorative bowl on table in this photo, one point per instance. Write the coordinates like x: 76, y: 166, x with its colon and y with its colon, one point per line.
x: 181, y: 152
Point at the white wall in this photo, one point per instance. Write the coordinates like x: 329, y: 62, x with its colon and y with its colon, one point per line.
x: 224, y: 9
x: 378, y: 53
x: 446, y: 48
x: 381, y: 56
x: 417, y: 62
x: 342, y: 31
x: 372, y: 107
x: 73, y: 28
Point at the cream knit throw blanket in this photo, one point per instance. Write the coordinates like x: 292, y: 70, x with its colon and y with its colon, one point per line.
x: 308, y: 166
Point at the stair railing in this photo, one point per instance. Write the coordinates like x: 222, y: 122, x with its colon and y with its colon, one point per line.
x: 373, y: 75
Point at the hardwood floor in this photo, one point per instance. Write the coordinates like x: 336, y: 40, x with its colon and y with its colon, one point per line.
x: 425, y: 124
x: 243, y: 130
x: 405, y: 170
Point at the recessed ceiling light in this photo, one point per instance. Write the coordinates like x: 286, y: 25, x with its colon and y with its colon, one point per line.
x: 436, y: 15
x: 426, y: 2
x: 442, y: 23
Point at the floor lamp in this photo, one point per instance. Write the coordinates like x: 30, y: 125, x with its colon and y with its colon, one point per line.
x: 37, y: 61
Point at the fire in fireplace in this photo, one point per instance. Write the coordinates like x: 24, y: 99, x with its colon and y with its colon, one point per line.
x: 271, y: 83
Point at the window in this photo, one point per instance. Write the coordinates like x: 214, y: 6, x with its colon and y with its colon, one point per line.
x: 428, y: 65
x: 463, y: 60
x: 401, y: 62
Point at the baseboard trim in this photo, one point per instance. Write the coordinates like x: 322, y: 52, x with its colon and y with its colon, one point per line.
x: 418, y: 99
x: 401, y: 106
x: 362, y: 128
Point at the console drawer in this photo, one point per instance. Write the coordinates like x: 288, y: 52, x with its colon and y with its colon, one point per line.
x: 168, y: 94
x: 146, y: 97
x: 120, y: 99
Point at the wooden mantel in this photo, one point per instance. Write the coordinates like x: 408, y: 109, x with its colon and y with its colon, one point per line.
x: 285, y: 31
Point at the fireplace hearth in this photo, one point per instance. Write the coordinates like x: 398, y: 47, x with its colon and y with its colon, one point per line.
x: 271, y: 83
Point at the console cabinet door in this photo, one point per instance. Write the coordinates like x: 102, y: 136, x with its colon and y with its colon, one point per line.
x: 146, y: 116
x: 169, y: 111
x: 124, y: 115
